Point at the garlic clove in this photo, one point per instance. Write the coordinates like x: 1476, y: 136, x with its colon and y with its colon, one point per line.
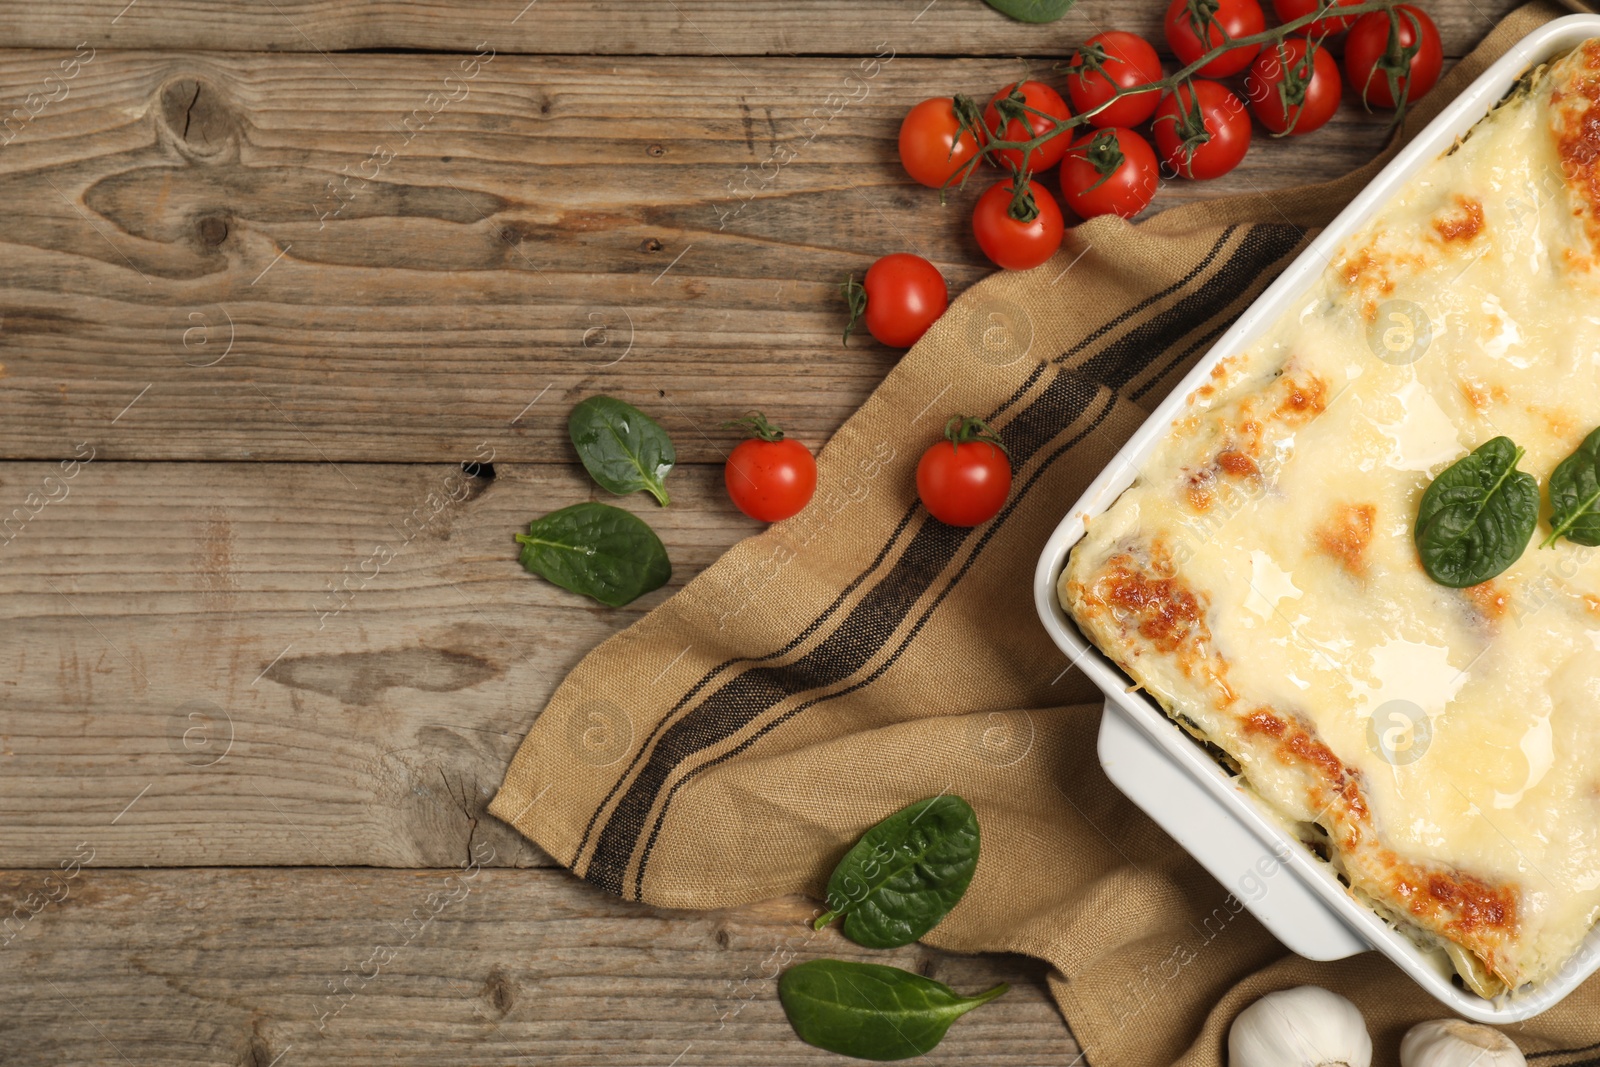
x: 1302, y: 1027
x: 1456, y: 1043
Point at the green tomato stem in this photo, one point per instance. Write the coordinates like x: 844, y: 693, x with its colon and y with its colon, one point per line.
x: 755, y: 424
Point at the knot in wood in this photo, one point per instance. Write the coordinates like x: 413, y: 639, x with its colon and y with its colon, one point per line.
x: 197, y: 119
x: 213, y: 230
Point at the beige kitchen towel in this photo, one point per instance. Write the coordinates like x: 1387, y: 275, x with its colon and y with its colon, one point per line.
x: 731, y: 745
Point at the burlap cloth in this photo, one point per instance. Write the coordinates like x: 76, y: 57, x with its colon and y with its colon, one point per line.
x: 732, y: 744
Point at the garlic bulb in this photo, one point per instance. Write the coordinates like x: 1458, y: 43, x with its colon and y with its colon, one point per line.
x: 1303, y: 1027
x: 1454, y: 1043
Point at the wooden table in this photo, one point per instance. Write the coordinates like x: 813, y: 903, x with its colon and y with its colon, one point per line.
x: 273, y: 272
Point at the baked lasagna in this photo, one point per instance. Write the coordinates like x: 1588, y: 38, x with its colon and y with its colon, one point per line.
x: 1439, y: 747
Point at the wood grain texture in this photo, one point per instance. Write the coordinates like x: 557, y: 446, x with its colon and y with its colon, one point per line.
x: 357, y: 967
x: 289, y: 664
x: 621, y: 27
x: 303, y: 258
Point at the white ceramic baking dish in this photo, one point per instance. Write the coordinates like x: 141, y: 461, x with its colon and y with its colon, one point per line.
x: 1287, y: 887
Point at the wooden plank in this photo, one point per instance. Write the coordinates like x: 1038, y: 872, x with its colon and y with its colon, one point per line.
x: 296, y: 967
x: 289, y: 664
x: 215, y: 256
x: 621, y: 27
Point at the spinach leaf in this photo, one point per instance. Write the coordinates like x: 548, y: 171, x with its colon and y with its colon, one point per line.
x: 1033, y: 10
x: 905, y: 874
x: 1477, y: 516
x: 623, y: 449
x: 1575, y: 496
x: 597, y: 550
x: 870, y: 1011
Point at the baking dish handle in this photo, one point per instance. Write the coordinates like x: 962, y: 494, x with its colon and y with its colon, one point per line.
x: 1247, y: 869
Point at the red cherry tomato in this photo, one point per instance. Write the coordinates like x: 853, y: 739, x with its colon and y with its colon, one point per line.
x: 901, y: 297
x: 769, y: 477
x: 1195, y: 27
x: 1377, y: 49
x: 1113, y: 172
x: 1203, y: 134
x: 1012, y: 243
x: 964, y: 479
x: 1289, y: 10
x: 1121, y: 61
x: 933, y: 147
x: 1019, y: 125
x: 1294, y: 89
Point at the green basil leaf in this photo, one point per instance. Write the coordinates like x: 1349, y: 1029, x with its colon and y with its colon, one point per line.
x: 1575, y: 496
x: 597, y: 550
x: 905, y: 874
x: 1476, y: 517
x: 622, y: 448
x: 1033, y: 10
x: 870, y: 1011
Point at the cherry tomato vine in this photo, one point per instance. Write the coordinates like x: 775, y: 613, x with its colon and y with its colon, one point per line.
x: 1397, y: 64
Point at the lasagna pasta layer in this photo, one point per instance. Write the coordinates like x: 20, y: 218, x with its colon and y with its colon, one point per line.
x: 1441, y: 747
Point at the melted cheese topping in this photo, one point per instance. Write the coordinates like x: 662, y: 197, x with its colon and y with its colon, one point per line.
x: 1261, y: 581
